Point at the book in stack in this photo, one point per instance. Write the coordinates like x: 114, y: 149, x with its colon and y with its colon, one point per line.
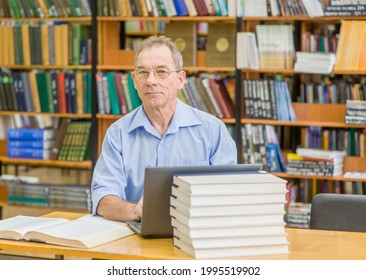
x: 229, y: 215
x: 355, y: 112
x: 315, y: 62
x: 30, y: 143
x: 315, y: 162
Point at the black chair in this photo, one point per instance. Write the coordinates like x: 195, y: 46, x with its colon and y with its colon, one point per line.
x: 342, y: 212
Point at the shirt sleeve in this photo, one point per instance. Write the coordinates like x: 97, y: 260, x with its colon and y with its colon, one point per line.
x: 223, y: 145
x: 109, y: 176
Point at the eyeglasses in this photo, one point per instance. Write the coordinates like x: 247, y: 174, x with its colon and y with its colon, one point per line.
x: 160, y: 73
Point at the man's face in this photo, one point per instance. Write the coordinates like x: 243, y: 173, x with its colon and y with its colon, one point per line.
x: 156, y: 78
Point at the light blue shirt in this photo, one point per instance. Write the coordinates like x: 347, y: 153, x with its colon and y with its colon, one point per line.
x: 131, y: 144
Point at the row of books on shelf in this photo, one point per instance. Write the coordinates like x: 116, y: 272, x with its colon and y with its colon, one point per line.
x: 303, y: 190
x: 116, y: 93
x: 260, y: 145
x: 352, y: 140
x: 49, y: 195
x: 70, y: 142
x: 355, y: 112
x: 210, y: 93
x: 44, y: 8
x: 264, y: 8
x: 48, y: 44
x: 46, y: 91
x: 333, y: 91
x: 322, y: 39
x: 229, y: 215
x: 351, y: 46
x: 268, y: 99
x: 163, y: 8
x: 271, y: 46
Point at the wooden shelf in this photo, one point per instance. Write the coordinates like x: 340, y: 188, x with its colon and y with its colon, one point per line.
x: 326, y: 115
x: 335, y: 178
x: 49, y: 163
x: 56, y: 115
x: 49, y: 67
x: 185, y: 18
x: 186, y: 68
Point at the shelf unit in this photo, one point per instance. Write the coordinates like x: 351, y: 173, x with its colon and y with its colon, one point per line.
x: 323, y: 115
x: 83, y: 165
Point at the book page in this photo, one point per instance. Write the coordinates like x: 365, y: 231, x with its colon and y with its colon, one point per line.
x: 87, y: 231
x: 16, y: 227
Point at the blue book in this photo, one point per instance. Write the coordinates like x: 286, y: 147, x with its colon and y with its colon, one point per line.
x: 30, y: 134
x: 30, y: 144
x: 180, y: 7
x: 28, y: 153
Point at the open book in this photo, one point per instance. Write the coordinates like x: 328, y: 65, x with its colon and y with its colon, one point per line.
x: 86, y: 232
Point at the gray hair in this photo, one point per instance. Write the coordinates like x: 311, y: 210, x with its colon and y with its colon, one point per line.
x: 161, y: 40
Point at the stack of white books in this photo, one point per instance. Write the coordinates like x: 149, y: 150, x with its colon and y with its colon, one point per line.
x: 315, y: 162
x: 229, y: 215
x: 317, y: 63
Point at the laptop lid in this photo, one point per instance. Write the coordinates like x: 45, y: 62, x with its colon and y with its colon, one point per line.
x: 156, y: 220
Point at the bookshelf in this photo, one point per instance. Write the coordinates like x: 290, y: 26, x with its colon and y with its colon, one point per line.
x: 66, y: 52
x: 109, y: 56
x: 326, y: 116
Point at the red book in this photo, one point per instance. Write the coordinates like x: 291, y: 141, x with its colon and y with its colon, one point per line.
x: 201, y: 7
x: 219, y: 98
x: 120, y: 93
x: 61, y: 91
x: 226, y: 96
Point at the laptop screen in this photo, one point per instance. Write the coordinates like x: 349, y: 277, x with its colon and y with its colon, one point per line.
x: 156, y: 220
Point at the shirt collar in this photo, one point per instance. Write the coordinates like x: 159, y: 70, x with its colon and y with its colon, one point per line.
x: 183, y: 116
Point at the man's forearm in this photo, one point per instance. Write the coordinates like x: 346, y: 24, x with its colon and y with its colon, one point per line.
x: 114, y: 208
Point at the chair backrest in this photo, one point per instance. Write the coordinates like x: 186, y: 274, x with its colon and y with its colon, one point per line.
x: 342, y: 212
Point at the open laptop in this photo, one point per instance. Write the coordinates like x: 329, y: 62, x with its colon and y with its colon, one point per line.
x: 156, y: 220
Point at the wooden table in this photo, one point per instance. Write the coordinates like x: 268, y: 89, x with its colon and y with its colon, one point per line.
x: 305, y: 244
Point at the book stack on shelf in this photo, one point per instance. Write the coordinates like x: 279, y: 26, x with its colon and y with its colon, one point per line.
x: 355, y: 112
x: 316, y: 63
x: 229, y: 215
x: 315, y: 162
x: 298, y: 215
x: 30, y: 143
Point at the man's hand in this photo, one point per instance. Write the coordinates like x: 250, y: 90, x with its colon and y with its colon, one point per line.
x: 138, y: 208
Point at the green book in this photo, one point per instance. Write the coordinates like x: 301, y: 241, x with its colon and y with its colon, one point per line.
x: 113, y: 96
x: 14, y: 10
x: 135, y: 99
x: 44, y: 91
x: 76, y: 37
